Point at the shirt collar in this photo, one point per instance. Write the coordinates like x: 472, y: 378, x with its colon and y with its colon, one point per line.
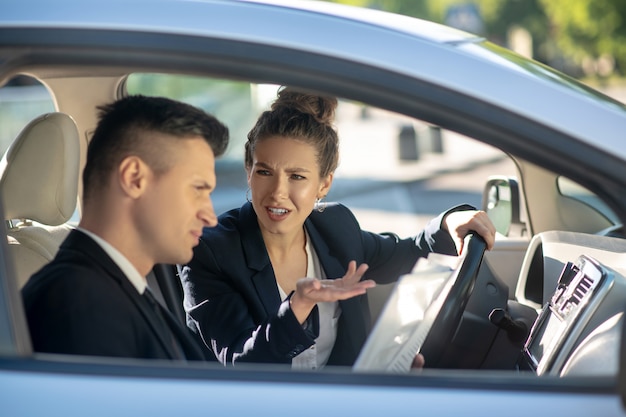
x: 135, y: 278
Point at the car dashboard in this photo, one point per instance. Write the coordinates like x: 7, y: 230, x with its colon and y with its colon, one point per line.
x: 577, y: 283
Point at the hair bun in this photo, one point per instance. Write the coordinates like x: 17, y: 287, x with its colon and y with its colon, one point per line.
x: 322, y: 108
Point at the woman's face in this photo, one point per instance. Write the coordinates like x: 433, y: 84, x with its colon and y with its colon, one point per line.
x: 285, y: 181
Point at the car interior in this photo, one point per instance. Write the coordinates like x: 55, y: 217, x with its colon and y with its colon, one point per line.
x: 547, y: 300
x: 39, y: 186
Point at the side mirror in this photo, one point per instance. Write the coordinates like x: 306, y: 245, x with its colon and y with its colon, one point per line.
x: 501, y: 202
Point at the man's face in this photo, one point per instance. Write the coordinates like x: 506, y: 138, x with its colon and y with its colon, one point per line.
x: 177, y: 204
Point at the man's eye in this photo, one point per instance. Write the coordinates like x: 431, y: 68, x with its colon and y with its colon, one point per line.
x: 263, y: 172
x: 201, y: 189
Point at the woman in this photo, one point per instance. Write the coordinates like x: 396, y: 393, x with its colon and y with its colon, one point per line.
x: 245, y: 294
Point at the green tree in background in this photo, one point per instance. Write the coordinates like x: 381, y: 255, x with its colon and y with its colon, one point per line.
x: 590, y: 32
x: 418, y: 8
x: 580, y: 37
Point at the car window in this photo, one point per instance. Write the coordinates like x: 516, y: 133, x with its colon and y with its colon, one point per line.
x: 395, y: 173
x: 22, y: 99
x: 571, y: 189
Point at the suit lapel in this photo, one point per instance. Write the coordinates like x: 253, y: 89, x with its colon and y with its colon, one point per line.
x: 190, y: 347
x: 332, y: 266
x: 257, y: 259
x: 187, y: 347
x: 78, y: 241
x: 352, y: 319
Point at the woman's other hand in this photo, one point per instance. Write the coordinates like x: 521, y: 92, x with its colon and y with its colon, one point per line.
x: 459, y: 224
x: 310, y: 291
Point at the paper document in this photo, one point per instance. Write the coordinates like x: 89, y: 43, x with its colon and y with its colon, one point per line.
x: 408, y: 315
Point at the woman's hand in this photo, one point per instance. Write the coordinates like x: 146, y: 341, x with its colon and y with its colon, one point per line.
x: 418, y: 362
x: 459, y: 223
x: 310, y: 291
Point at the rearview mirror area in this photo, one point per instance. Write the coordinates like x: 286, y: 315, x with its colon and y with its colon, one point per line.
x: 501, y: 202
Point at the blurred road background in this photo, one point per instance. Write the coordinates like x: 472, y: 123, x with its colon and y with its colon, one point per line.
x: 387, y: 191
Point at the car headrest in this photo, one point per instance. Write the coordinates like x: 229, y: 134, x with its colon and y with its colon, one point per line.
x: 39, y: 171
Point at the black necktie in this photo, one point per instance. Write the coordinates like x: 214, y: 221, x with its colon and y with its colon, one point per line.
x: 164, y: 323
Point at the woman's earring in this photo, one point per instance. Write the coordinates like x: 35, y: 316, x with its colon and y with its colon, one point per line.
x: 319, y: 206
x: 248, y: 196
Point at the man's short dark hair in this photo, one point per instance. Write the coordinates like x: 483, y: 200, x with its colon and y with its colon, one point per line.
x: 124, y: 129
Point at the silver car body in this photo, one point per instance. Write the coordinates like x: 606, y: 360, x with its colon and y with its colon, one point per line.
x: 462, y: 83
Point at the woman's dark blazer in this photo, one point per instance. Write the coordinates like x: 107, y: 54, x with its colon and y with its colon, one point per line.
x: 232, y: 299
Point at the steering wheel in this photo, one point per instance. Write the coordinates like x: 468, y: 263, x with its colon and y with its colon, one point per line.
x: 449, y: 316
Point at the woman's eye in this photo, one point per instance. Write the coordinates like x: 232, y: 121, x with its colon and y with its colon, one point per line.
x: 297, y: 177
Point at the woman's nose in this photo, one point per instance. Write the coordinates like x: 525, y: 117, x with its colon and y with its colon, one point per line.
x: 280, y: 188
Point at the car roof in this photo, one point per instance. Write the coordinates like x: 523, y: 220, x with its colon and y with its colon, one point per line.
x: 166, y: 14
x: 422, y: 50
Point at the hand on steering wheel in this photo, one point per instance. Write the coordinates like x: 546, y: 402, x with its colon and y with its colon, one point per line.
x: 442, y: 331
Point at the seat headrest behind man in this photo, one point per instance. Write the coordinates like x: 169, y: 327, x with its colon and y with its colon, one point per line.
x: 39, y: 188
x: 39, y: 171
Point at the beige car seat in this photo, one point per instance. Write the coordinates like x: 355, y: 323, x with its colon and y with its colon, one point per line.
x: 39, y: 188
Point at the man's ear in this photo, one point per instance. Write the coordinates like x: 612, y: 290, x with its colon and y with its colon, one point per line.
x: 133, y: 176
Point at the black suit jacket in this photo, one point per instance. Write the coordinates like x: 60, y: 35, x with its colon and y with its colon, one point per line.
x: 82, y: 303
x: 232, y: 298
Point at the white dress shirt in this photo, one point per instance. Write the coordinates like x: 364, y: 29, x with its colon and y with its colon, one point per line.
x: 317, y: 355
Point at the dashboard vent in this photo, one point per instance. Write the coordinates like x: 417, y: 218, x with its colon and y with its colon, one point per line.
x: 582, y: 288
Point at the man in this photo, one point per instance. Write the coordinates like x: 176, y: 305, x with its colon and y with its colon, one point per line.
x: 146, y: 198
